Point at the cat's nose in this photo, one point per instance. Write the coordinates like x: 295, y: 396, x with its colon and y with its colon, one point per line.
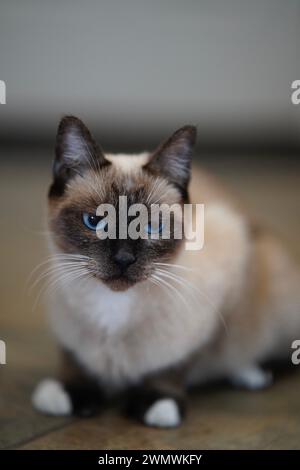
x: 124, y: 259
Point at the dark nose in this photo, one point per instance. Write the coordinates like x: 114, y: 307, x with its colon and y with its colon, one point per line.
x: 124, y: 259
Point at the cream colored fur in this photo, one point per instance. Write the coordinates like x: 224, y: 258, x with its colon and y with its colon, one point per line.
x: 240, y: 306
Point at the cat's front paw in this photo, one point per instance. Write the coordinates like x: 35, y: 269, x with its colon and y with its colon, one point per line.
x: 163, y: 413
x: 50, y: 397
x: 252, y: 378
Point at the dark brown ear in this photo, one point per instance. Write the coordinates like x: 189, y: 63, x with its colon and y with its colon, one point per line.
x: 75, y: 152
x: 172, y: 159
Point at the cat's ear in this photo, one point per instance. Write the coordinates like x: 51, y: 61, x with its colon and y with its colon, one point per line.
x: 75, y: 152
x: 172, y: 159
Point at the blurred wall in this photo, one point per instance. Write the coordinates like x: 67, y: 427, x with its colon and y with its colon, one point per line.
x: 136, y: 68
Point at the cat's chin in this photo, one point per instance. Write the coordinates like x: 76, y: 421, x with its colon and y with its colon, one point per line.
x: 120, y: 284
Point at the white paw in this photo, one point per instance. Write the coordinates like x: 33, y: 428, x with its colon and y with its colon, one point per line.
x: 252, y: 378
x: 163, y: 413
x: 51, y: 398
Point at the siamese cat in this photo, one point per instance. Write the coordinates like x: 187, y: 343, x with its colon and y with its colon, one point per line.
x: 148, y: 316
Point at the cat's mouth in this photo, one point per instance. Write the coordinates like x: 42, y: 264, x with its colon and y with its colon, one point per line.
x: 121, y: 282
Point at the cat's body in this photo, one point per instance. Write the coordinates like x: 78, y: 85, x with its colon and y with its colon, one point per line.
x: 214, y: 313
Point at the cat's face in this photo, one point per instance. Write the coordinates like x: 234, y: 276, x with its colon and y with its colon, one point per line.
x: 84, y: 178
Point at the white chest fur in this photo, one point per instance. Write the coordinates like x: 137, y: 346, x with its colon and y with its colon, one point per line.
x: 120, y: 337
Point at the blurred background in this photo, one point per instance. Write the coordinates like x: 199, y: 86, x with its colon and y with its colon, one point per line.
x: 134, y: 71
x: 137, y: 69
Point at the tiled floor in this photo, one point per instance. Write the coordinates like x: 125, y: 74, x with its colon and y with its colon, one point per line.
x: 219, y: 417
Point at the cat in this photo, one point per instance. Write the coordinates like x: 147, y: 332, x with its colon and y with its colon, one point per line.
x: 149, y: 318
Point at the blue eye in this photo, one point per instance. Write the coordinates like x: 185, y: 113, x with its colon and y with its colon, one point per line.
x: 92, y: 221
x: 149, y: 228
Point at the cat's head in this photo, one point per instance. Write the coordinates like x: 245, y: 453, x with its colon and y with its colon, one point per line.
x: 84, y: 178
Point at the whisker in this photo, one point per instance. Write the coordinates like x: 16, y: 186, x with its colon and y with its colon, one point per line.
x: 58, y: 259
x: 56, y: 269
x: 171, y: 265
x: 61, y: 279
x: 171, y: 287
x: 184, y: 283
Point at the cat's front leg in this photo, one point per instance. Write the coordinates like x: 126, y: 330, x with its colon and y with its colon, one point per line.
x: 157, y: 404
x: 73, y: 393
